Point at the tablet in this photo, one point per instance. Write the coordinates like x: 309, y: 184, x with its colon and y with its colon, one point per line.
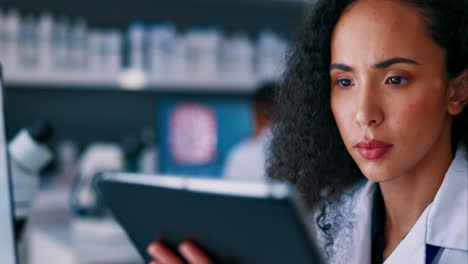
x: 234, y: 222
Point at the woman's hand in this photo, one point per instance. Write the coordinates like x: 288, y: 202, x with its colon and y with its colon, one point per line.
x: 191, y: 253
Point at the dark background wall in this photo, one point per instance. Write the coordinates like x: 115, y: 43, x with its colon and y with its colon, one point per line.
x: 86, y: 115
x: 242, y: 15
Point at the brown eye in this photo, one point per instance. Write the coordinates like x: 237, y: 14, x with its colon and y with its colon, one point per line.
x: 396, y: 80
x: 344, y: 82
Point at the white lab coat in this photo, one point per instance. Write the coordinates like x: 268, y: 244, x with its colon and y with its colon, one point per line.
x: 444, y: 224
x: 246, y: 162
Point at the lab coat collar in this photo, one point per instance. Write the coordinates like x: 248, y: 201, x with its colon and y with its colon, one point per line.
x: 448, y: 217
x: 412, y: 249
x: 362, y: 254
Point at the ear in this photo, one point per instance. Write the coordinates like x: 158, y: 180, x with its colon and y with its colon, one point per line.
x: 458, y: 93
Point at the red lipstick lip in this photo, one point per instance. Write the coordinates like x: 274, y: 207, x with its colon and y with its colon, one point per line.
x: 372, y: 144
x: 372, y: 149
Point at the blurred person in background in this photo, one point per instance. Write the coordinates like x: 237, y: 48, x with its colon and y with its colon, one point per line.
x: 246, y: 162
x: 372, y: 128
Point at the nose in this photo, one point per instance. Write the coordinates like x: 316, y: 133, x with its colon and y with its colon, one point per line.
x: 369, y: 112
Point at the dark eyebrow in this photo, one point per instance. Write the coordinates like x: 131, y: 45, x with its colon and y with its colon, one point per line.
x: 340, y: 66
x: 380, y: 65
x: 389, y: 62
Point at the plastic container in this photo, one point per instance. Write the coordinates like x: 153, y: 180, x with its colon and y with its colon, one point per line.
x: 136, y: 36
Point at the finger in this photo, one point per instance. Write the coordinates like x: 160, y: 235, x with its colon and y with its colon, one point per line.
x: 155, y: 262
x: 162, y: 254
x: 193, y: 253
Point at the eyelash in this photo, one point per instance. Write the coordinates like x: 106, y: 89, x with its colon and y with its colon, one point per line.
x: 401, y: 79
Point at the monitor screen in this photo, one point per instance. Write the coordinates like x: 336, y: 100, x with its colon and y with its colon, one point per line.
x: 216, y: 125
x: 7, y: 244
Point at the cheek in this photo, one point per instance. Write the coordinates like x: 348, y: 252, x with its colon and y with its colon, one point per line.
x: 343, y: 112
x: 416, y: 115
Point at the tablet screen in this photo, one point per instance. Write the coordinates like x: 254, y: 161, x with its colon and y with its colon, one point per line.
x: 7, y: 244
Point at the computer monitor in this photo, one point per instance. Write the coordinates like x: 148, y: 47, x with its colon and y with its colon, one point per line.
x: 216, y: 125
x: 7, y: 242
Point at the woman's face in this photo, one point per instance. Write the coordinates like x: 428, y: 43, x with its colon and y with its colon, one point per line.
x: 390, y: 91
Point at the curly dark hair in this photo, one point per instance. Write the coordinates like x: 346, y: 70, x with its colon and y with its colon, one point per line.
x: 307, y: 149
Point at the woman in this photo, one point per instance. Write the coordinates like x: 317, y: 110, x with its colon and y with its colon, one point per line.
x: 372, y: 128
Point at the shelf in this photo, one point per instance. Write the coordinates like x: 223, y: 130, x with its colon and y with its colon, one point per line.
x: 65, y: 81
x: 60, y: 80
x: 89, y: 108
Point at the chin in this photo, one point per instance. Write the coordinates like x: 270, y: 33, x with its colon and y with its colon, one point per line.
x: 378, y: 178
x: 378, y: 173
x: 378, y: 170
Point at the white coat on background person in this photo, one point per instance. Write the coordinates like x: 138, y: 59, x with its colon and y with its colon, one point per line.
x: 246, y: 162
x: 444, y: 224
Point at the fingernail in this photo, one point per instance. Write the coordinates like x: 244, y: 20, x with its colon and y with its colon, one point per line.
x: 186, y: 250
x: 151, y: 249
